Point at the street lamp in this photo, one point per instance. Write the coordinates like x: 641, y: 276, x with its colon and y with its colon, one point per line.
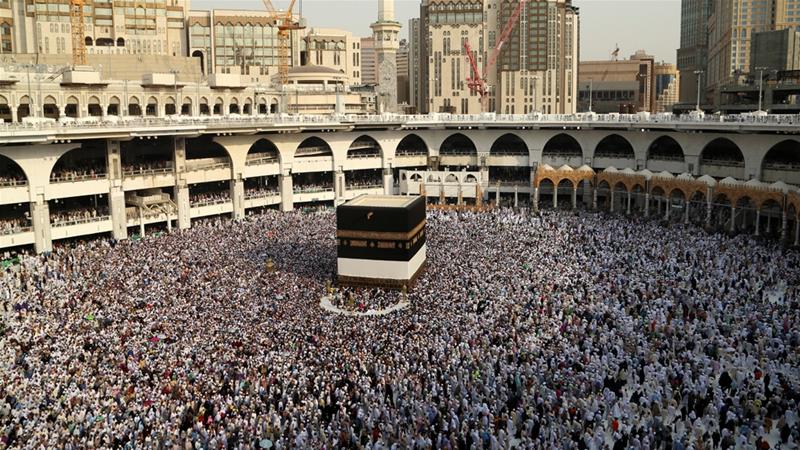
x: 699, y: 74
x: 760, y: 85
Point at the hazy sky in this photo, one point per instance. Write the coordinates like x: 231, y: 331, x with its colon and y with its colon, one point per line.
x: 653, y: 25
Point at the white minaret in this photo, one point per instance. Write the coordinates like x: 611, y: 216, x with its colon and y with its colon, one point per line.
x: 386, y: 34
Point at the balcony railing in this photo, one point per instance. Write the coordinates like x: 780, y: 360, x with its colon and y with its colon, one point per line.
x: 13, y: 183
x: 214, y: 122
x: 722, y: 162
x: 312, y: 189
x: 262, y: 160
x: 216, y: 201
x: 70, y: 178
x: 139, y: 172
x: 356, y: 187
x: 260, y: 194
x: 57, y: 223
x: 8, y: 231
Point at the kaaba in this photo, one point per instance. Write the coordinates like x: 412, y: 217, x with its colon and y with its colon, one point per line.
x: 380, y: 241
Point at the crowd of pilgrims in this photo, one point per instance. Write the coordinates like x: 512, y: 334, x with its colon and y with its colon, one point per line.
x: 554, y: 331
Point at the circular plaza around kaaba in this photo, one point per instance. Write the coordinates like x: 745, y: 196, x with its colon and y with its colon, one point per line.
x: 525, y: 329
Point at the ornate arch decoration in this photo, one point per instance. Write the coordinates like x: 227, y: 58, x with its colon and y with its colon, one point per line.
x: 793, y: 199
x: 629, y: 180
x: 556, y: 176
x: 758, y: 194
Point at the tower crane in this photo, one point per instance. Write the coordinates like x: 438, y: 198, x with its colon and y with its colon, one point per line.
x: 477, y: 80
x: 78, y: 29
x: 286, y: 24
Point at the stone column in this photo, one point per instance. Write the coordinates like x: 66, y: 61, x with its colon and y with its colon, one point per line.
x: 141, y: 224
x: 611, y: 208
x: 708, y: 212
x: 40, y: 218
x: 797, y: 232
x: 769, y: 223
x: 460, y: 195
x: 14, y: 117
x: 594, y: 198
x: 784, y: 226
x: 497, y: 195
x: 116, y: 195
x: 339, y: 186
x: 555, y: 196
x: 516, y: 197
x: 287, y: 192
x: 733, y: 218
x: 535, y: 199
x: 758, y: 222
x: 686, y: 213
x: 388, y: 181
x: 574, y: 198
x: 237, y: 196
x: 628, y: 211
x: 667, y: 208
x: 647, y: 204
x: 181, y: 185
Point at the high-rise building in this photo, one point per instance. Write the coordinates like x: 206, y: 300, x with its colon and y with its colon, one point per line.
x: 368, y: 73
x: 335, y: 49
x: 403, y: 89
x: 144, y: 28
x: 716, y: 39
x: 776, y: 50
x: 535, y: 71
x: 693, y: 52
x: 667, y: 86
x: 239, y: 42
x: 414, y: 54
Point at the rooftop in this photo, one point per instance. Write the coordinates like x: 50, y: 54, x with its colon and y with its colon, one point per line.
x: 382, y: 201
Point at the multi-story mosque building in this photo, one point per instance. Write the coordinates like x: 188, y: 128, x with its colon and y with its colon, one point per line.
x: 123, y: 145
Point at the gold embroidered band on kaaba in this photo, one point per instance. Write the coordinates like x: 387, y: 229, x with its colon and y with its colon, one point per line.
x: 380, y: 235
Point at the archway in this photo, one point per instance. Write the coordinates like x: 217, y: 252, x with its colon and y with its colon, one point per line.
x: 412, y: 145
x: 169, y: 106
x: 722, y: 158
x: 562, y: 149
x: 204, y: 147
x: 677, y: 205
x: 658, y: 202
x: 262, y: 151
x: 134, y: 108
x: 50, y: 108
x: 88, y: 41
x: 313, y: 147
x: 721, y: 212
x: 615, y: 147
x: 198, y: 54
x: 142, y: 157
x: 113, y: 106
x: 458, y: 145
x: 94, y: 107
x: 771, y: 219
x: 564, y: 190
x: 745, y: 219
x: 204, y: 109
x: 120, y: 42
x: 509, y: 144
x: 233, y: 107
x: 665, y: 148
x: 87, y: 162
x: 274, y: 106
x: 218, y: 106
x: 364, y: 147
x: 11, y: 174
x: 248, y: 107
x: 186, y: 106
x: 5, y: 110
x: 698, y: 207
x: 24, y: 108
x: 152, y: 107
x: 547, y: 191
x: 782, y: 163
x: 73, y: 107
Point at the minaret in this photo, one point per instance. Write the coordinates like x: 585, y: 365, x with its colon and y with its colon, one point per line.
x: 386, y: 34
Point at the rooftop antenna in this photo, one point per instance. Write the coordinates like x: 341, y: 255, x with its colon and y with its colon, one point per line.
x: 615, y: 53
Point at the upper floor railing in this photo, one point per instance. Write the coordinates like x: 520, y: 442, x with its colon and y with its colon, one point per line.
x: 277, y: 120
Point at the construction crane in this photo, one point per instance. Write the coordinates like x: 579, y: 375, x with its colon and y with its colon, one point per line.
x: 78, y: 32
x: 285, y: 22
x: 477, y: 81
